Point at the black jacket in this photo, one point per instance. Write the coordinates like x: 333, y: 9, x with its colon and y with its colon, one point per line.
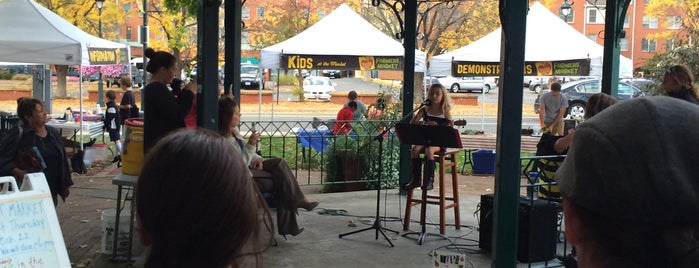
x: 163, y: 113
x: 12, y: 142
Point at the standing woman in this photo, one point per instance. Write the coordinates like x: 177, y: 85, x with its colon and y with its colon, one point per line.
x: 437, y: 113
x: 678, y: 82
x: 163, y: 113
x: 32, y: 146
x: 285, y: 185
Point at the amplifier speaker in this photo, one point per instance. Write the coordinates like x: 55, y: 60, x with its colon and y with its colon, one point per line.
x: 536, y: 239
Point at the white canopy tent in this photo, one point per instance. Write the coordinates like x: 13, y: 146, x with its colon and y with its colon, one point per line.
x: 549, y: 38
x: 343, y: 33
x: 33, y: 34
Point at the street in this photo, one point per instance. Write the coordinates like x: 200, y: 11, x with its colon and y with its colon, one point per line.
x: 485, y: 122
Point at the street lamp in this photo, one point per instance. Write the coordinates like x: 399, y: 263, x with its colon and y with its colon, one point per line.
x: 566, y: 8
x: 100, y: 5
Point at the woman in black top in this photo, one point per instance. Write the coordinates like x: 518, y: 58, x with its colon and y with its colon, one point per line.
x: 163, y: 113
x: 32, y: 146
x: 678, y: 82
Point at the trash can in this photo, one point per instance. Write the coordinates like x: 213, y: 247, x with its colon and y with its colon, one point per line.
x: 132, y: 157
x: 484, y: 162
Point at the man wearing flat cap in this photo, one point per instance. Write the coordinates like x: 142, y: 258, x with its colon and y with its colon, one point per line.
x: 631, y: 186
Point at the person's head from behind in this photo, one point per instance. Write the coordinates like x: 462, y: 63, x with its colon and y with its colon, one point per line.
x: 438, y: 95
x: 202, y: 212
x: 162, y: 65
x: 676, y: 78
x: 32, y: 112
x: 598, y: 102
x: 352, y: 95
x: 352, y: 105
x: 630, y: 186
x: 111, y: 95
x: 228, y: 116
x: 125, y: 83
x: 555, y: 88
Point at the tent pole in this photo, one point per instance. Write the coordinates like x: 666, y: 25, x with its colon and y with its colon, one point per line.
x: 80, y: 96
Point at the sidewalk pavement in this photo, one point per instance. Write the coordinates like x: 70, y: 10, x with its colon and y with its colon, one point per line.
x: 317, y: 246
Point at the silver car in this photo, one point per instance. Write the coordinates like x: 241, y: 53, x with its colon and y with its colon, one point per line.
x: 468, y: 84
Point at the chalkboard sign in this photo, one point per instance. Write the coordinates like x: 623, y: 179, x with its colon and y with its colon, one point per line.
x: 30, y: 235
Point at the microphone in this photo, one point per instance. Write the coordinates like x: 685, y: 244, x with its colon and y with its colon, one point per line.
x: 427, y: 102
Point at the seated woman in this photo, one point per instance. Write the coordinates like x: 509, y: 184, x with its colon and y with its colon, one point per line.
x: 198, y: 206
x: 286, y: 187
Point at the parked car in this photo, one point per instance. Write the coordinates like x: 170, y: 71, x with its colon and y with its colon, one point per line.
x: 251, y: 77
x: 645, y: 85
x: 317, y: 87
x: 332, y: 73
x: 135, y: 73
x: 578, y: 92
x: 468, y: 84
x: 91, y: 78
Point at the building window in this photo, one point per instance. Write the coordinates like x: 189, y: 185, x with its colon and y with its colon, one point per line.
x: 592, y: 37
x: 321, y: 14
x: 650, y: 22
x: 126, y: 7
x: 245, y: 12
x: 569, y: 18
x: 646, y: 2
x: 670, y: 44
x: 674, y: 22
x: 128, y: 33
x: 626, y: 21
x: 260, y: 11
x: 648, y: 45
x: 595, y: 16
x: 624, y: 44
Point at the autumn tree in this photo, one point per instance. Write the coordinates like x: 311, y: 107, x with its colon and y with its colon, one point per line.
x: 667, y: 11
x: 85, y: 15
x: 176, y: 23
x: 442, y: 26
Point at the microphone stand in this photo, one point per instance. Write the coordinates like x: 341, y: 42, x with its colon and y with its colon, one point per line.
x: 377, y: 221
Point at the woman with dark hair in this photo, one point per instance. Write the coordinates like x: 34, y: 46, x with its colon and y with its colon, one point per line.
x: 285, y: 185
x: 32, y: 146
x: 678, y: 82
x: 205, y: 210
x: 595, y: 104
x: 163, y: 112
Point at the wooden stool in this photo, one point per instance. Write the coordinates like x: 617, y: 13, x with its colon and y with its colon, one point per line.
x: 444, y: 159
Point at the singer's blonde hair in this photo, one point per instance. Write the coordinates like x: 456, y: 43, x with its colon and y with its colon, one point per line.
x: 446, y: 99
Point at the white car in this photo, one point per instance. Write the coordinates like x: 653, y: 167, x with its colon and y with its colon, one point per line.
x: 458, y: 84
x: 317, y: 87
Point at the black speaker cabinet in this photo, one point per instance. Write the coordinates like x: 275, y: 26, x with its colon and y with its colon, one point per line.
x: 536, y: 239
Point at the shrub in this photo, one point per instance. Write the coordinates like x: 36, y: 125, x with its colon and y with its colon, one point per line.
x: 288, y: 80
x: 22, y: 77
x: 297, y: 91
x: 5, y: 76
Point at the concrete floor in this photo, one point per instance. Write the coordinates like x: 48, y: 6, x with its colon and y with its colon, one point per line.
x: 320, y: 246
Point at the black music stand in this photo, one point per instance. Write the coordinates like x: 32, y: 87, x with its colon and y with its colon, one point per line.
x: 377, y: 221
x: 441, y: 136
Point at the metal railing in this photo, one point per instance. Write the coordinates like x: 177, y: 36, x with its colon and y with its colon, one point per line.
x: 318, y: 157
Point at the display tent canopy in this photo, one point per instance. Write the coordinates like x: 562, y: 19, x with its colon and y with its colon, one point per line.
x: 552, y: 48
x: 33, y: 34
x: 343, y: 40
